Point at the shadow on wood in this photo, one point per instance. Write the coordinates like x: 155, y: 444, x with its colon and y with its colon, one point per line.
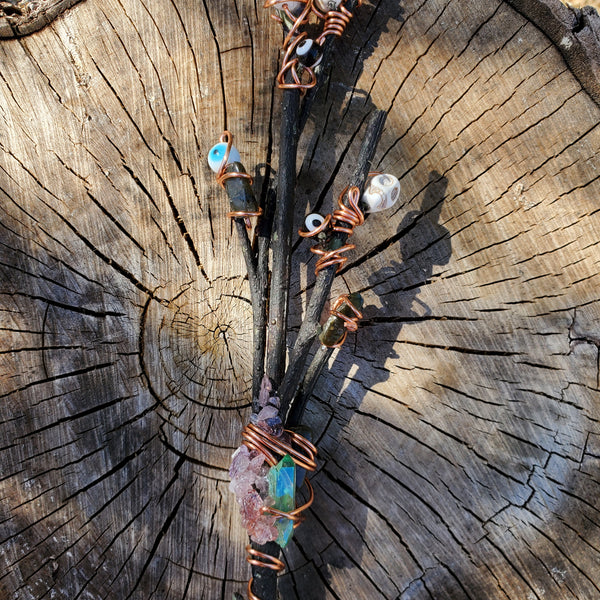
x: 458, y: 430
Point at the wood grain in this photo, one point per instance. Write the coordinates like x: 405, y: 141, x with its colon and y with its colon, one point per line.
x: 458, y: 431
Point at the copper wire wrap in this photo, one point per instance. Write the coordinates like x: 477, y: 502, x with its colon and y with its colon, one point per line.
x: 260, y: 559
x: 343, y: 220
x: 299, y: 21
x: 222, y: 177
x: 350, y: 323
x: 270, y: 446
x: 290, y: 43
x: 303, y: 454
x: 290, y: 65
x: 336, y: 22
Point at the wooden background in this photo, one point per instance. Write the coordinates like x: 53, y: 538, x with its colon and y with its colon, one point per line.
x: 459, y: 430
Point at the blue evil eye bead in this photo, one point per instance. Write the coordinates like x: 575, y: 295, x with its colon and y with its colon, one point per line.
x: 217, y: 154
x: 381, y: 193
x: 313, y: 221
x: 327, y: 5
x: 309, y: 53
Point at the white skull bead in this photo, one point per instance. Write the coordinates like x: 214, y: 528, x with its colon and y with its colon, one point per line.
x: 217, y: 154
x: 382, y: 192
x: 313, y: 221
x: 326, y: 5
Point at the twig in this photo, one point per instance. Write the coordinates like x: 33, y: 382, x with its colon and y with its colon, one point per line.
x: 309, y: 328
x: 257, y: 283
x: 259, y: 310
x: 281, y: 243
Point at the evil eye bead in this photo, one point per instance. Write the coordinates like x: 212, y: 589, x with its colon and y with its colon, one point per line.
x: 327, y: 5
x: 217, y: 154
x: 313, y: 221
x: 309, y: 53
x: 382, y: 192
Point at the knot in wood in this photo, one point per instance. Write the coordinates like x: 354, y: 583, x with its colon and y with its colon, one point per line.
x: 196, y: 358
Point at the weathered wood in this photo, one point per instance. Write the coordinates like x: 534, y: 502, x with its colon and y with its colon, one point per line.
x: 458, y: 430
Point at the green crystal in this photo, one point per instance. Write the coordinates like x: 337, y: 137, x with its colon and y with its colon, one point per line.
x: 282, y: 489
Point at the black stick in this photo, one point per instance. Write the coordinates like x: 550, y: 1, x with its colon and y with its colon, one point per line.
x: 265, y: 580
x: 281, y: 244
x: 309, y: 328
x: 259, y: 310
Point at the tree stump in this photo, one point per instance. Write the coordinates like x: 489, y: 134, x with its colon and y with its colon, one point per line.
x: 458, y: 430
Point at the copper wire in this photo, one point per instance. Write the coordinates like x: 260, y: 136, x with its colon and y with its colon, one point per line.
x: 303, y: 456
x: 301, y: 19
x: 290, y: 65
x: 350, y: 323
x: 343, y: 220
x: 336, y: 21
x: 352, y: 215
x: 285, y: 9
x: 260, y: 559
x: 222, y: 177
x: 270, y: 446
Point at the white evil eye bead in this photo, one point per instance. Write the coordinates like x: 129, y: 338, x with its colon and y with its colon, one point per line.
x: 217, y: 154
x: 326, y: 5
x: 382, y: 192
x: 309, y: 53
x: 313, y: 221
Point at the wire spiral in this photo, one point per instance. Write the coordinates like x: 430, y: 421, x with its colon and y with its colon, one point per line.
x: 350, y: 323
x: 266, y: 561
x: 303, y: 454
x: 343, y: 220
x: 336, y: 22
x: 222, y: 177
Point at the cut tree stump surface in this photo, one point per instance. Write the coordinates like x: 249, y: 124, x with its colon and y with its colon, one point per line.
x: 458, y: 430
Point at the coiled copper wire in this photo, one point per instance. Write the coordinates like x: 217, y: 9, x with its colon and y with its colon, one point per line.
x: 336, y: 21
x: 222, y: 177
x: 270, y: 446
x: 350, y: 323
x: 303, y: 454
x: 343, y: 220
x: 266, y: 561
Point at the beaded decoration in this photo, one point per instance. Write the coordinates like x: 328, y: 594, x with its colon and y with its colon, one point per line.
x: 230, y: 168
x: 298, y: 61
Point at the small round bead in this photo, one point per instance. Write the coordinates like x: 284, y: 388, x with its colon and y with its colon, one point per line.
x: 313, y: 221
x: 382, y: 192
x: 217, y: 154
x: 309, y: 53
x: 326, y: 5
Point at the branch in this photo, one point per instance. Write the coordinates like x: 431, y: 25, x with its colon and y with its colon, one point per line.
x: 310, y: 324
x: 281, y: 243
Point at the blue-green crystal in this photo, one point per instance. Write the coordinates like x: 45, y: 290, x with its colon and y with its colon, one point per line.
x: 282, y: 489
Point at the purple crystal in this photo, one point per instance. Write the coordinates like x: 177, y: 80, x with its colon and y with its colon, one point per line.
x: 248, y: 473
x: 268, y: 412
x: 272, y: 426
x: 265, y: 391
